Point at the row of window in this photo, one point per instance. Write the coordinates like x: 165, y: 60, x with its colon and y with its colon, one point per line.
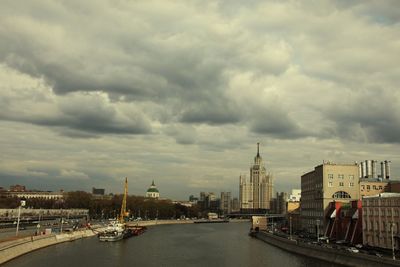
x: 382, y: 212
x: 330, y: 184
x: 340, y: 176
x: 368, y: 187
x: 385, y: 226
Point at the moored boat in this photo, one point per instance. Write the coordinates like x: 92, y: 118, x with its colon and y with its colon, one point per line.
x: 117, y: 229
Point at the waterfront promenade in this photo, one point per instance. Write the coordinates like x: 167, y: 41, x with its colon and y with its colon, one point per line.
x: 336, y: 256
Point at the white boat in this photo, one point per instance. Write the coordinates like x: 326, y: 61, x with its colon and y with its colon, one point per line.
x: 115, y: 231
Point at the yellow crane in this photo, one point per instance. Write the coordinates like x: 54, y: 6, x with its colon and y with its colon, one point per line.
x: 124, y: 213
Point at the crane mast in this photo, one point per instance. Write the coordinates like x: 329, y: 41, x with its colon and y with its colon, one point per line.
x: 124, y: 213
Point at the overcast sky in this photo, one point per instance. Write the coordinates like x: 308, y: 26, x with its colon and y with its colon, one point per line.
x: 181, y: 91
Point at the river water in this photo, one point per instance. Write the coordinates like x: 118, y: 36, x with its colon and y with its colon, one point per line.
x: 224, y: 244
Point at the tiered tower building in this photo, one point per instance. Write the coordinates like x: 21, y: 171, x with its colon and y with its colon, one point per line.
x: 256, y: 193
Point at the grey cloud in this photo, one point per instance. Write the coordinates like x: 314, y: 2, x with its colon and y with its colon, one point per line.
x: 183, y: 134
x: 219, y: 112
x: 370, y: 116
x: 277, y: 124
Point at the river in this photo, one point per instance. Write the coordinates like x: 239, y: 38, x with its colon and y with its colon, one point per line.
x: 225, y: 244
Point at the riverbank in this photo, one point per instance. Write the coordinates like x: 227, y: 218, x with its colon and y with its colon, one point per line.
x: 325, y: 254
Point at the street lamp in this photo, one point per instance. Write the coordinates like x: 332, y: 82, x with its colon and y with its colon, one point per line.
x: 22, y: 204
x: 393, y: 253
x: 290, y: 226
x: 317, y: 221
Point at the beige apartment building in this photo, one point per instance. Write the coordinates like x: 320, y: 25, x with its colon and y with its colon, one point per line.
x: 328, y: 182
x: 381, y: 220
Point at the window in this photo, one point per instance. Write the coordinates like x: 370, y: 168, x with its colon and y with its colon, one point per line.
x: 330, y: 184
x: 368, y: 187
x: 374, y: 187
x: 340, y: 176
x: 362, y: 187
x: 341, y: 194
x: 351, y: 184
x: 330, y: 176
x: 351, y: 177
x: 341, y: 184
x: 380, y: 187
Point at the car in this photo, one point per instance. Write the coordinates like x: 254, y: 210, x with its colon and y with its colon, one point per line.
x: 358, y: 246
x: 353, y: 250
x: 375, y: 253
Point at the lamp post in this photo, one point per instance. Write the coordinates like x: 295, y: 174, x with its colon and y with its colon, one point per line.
x: 393, y: 253
x: 22, y: 204
x: 290, y: 227
x: 317, y: 222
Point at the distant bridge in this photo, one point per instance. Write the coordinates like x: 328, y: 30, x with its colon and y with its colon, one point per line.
x: 249, y: 215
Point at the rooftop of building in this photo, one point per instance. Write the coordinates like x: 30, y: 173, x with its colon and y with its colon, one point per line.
x: 376, y: 180
x: 383, y: 195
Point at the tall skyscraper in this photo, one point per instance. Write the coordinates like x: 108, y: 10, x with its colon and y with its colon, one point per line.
x: 255, y: 194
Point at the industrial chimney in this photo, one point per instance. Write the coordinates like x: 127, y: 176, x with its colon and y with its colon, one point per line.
x: 374, y: 175
x: 364, y: 169
x: 383, y: 172
x: 387, y: 169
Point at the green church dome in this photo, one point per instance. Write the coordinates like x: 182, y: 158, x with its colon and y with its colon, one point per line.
x: 152, y: 190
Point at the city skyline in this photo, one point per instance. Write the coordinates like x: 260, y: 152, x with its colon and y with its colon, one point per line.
x: 180, y: 93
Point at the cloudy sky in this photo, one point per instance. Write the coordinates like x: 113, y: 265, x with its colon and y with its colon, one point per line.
x: 181, y: 91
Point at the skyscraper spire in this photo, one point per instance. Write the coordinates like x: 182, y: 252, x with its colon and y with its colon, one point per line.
x: 258, y: 149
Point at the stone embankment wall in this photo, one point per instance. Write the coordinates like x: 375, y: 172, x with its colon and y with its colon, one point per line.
x: 326, y: 254
x: 15, y: 248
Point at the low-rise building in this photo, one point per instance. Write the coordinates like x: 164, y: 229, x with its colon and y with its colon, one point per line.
x: 381, y: 220
x: 373, y: 186
x: 34, y: 194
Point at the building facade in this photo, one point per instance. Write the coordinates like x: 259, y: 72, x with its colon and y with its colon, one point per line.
x: 34, y: 194
x: 295, y: 195
x: 344, y: 221
x: 381, y: 220
x: 328, y: 182
x: 226, y: 202
x: 279, y: 204
x: 255, y: 194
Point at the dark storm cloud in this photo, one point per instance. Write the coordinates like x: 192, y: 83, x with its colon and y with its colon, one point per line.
x: 214, y: 112
x: 80, y: 115
x: 370, y: 116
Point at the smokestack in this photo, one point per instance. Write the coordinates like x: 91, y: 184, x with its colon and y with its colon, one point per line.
x: 374, y: 169
x: 387, y: 169
x: 383, y: 172
x: 364, y: 169
x: 369, y: 168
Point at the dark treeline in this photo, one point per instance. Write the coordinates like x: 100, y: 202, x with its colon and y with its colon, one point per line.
x: 110, y: 206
